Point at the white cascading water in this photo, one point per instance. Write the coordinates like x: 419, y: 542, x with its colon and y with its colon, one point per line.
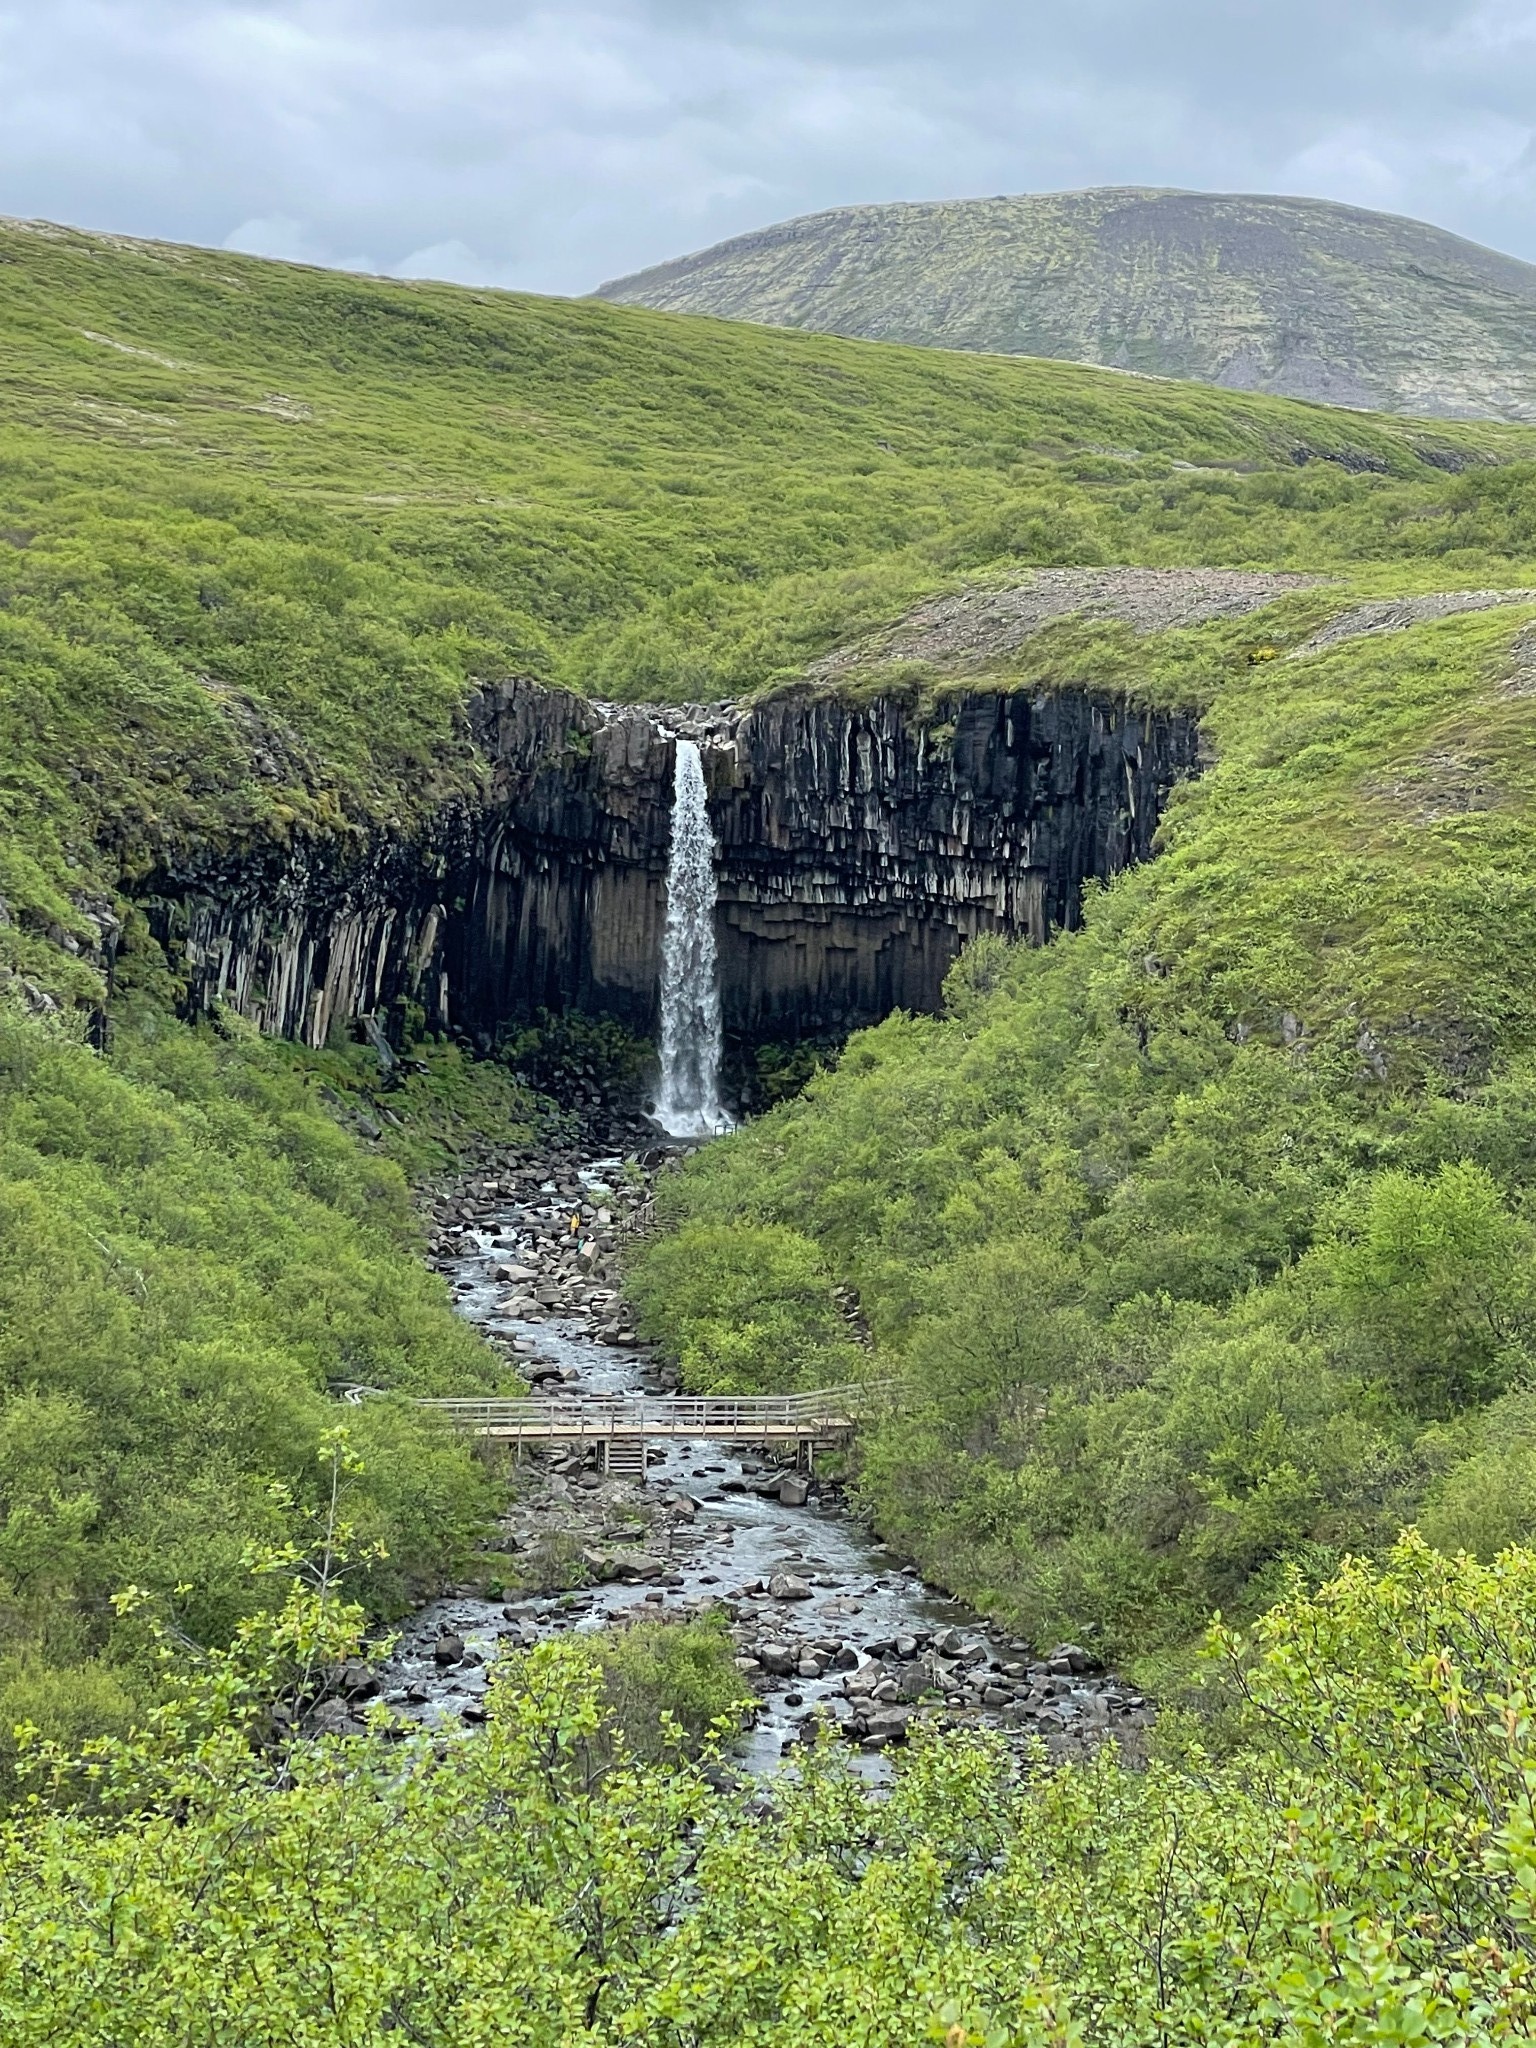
x: 688, y: 1102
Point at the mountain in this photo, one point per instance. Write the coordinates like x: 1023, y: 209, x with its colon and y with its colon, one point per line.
x: 1300, y: 297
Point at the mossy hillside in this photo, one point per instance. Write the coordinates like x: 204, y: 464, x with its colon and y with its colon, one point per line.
x: 192, y: 1255
x: 261, y: 528
x: 1199, y: 1241
x: 1250, y: 291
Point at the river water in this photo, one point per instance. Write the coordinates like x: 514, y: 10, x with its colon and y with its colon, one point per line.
x: 714, y: 1537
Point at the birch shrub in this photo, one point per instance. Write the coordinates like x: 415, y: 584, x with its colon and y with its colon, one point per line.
x: 1362, y: 1869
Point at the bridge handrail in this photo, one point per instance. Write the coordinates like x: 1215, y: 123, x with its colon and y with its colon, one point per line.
x: 596, y: 1414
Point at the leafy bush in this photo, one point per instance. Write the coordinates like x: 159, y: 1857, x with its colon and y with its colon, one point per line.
x: 575, y: 1053
x: 191, y: 1253
x: 1436, y: 1282
x: 749, y: 1309
x: 1361, y: 1870
x: 553, y: 1563
x: 667, y: 1685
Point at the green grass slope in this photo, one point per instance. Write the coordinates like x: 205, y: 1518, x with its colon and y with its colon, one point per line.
x: 1299, y: 296
x: 191, y: 1252
x: 1200, y: 1243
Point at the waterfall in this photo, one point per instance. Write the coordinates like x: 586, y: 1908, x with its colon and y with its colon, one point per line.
x: 688, y: 1103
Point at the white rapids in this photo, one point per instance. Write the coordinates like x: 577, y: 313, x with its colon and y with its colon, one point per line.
x: 688, y: 1101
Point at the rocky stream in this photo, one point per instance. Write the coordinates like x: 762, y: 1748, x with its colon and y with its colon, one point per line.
x: 827, y: 1624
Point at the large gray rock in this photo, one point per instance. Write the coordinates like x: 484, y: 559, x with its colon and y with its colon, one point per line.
x: 635, y: 1569
x: 357, y: 1681
x: 1071, y: 1660
x: 332, y: 1717
x: 785, y: 1586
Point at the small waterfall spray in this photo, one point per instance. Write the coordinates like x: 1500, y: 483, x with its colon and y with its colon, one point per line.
x: 688, y: 1103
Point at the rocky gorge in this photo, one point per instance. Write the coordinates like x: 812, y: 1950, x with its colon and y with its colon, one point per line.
x: 829, y: 1629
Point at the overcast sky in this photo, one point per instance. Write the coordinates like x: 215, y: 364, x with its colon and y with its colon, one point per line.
x: 551, y: 147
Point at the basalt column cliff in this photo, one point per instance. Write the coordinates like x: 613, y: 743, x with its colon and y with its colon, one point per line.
x: 860, y: 845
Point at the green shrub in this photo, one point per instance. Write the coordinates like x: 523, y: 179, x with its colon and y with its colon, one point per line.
x: 1360, y: 1870
x: 668, y: 1684
x: 745, y: 1309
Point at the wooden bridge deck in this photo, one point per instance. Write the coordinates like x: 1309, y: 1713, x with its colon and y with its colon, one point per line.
x: 750, y: 1419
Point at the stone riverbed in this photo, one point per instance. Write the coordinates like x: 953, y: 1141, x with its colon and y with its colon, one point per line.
x: 827, y: 1624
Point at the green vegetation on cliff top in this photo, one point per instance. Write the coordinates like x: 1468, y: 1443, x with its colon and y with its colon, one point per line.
x: 261, y: 527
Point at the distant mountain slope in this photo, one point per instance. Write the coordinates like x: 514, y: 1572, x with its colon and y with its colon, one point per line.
x: 1299, y: 297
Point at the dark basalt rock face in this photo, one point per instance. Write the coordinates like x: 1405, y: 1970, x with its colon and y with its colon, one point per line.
x: 861, y: 846
x: 303, y: 940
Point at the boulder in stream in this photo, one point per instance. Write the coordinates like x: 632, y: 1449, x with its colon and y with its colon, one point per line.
x: 785, y: 1586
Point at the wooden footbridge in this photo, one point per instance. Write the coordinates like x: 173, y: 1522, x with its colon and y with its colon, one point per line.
x: 623, y: 1425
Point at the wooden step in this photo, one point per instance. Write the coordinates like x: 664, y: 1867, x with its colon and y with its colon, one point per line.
x: 624, y: 1458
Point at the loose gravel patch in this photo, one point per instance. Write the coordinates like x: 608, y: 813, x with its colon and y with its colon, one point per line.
x: 970, y: 629
x: 1397, y: 614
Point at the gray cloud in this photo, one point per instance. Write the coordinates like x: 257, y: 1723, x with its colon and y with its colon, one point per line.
x: 551, y: 146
